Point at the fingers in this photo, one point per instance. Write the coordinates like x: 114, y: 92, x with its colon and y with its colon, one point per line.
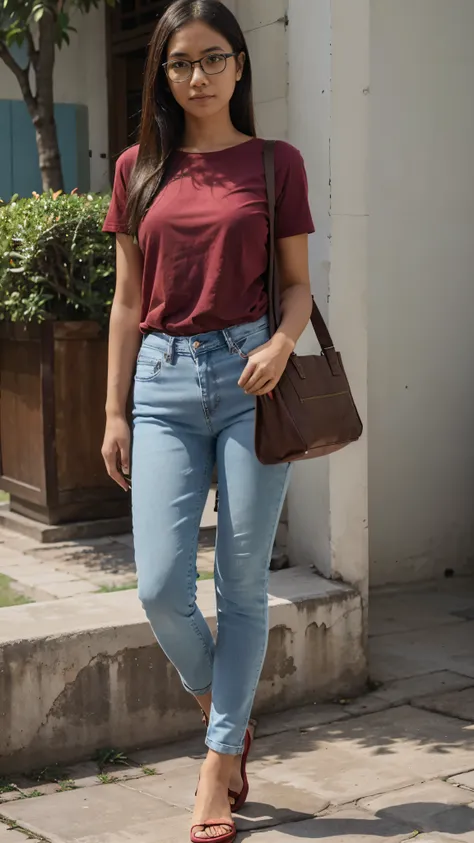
x: 124, y: 459
x: 125, y: 465
x: 267, y: 390
x: 110, y: 455
x: 260, y: 382
x: 247, y: 374
x: 261, y: 387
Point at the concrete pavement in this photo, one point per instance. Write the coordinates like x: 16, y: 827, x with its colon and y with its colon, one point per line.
x: 87, y: 566
x: 395, y: 765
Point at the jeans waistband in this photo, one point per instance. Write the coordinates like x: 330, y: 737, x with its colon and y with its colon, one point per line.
x: 203, y: 343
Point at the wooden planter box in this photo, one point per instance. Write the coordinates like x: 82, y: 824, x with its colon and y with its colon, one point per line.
x: 52, y: 417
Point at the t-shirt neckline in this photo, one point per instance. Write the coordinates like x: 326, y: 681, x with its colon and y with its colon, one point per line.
x: 219, y: 151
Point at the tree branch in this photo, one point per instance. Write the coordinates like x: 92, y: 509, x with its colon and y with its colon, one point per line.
x: 22, y: 76
x: 46, y: 58
x: 32, y: 51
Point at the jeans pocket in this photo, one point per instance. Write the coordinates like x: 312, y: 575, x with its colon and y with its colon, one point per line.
x: 252, y: 341
x: 148, y: 368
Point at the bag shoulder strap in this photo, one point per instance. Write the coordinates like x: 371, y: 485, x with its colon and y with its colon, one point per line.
x: 273, y: 287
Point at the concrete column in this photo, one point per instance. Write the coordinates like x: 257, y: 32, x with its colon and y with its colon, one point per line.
x: 329, y: 63
x: 264, y: 26
x: 92, y: 43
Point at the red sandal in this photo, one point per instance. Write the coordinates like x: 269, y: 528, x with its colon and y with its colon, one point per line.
x: 241, y: 798
x: 223, y: 838
x: 238, y: 800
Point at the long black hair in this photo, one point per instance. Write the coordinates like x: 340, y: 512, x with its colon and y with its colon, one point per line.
x: 162, y: 122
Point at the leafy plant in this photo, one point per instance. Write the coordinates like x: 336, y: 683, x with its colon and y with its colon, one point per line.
x: 67, y: 784
x: 42, y: 26
x: 103, y: 757
x: 55, y: 263
x: 106, y: 778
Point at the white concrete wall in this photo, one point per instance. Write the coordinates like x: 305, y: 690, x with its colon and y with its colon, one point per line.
x: 309, y: 113
x: 328, y: 121
x: 263, y: 22
x: 421, y: 300
x: 80, y: 77
x: 91, y: 77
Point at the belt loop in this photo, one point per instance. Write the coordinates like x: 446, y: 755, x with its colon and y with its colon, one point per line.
x: 233, y: 347
x: 229, y: 341
x: 169, y: 355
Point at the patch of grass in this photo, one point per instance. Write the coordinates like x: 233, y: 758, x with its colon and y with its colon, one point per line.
x: 65, y: 785
x: 6, y: 786
x: 106, y: 778
x: 4, y: 497
x: 52, y: 775
x: 103, y: 757
x: 109, y: 589
x: 8, y: 595
x: 206, y: 575
x: 33, y: 794
x: 148, y: 771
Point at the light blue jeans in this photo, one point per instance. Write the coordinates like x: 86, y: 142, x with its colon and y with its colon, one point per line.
x: 189, y: 413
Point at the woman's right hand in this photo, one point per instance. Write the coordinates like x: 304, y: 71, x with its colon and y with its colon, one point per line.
x: 116, y: 450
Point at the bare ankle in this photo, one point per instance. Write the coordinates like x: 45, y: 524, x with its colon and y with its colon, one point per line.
x: 219, y: 766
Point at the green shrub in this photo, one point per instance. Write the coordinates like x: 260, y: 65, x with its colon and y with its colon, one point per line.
x: 55, y: 263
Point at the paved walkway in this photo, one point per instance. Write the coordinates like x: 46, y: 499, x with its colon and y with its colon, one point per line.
x: 389, y: 767
x: 66, y: 569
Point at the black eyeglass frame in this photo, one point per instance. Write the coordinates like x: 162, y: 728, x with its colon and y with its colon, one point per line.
x: 192, y: 65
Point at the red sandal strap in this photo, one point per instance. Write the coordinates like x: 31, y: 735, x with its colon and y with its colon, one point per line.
x: 229, y: 835
x: 214, y: 823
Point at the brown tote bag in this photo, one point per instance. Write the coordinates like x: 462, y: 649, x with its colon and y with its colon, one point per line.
x: 312, y: 412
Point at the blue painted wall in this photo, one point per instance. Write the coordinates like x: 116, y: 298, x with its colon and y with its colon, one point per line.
x: 19, y: 167
x: 6, y: 155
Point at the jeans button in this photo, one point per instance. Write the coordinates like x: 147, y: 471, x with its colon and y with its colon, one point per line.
x: 196, y: 344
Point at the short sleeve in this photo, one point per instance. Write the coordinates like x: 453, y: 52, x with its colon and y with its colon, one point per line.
x: 293, y: 214
x: 116, y: 220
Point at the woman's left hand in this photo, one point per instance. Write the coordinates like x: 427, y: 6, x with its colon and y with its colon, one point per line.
x: 265, y: 366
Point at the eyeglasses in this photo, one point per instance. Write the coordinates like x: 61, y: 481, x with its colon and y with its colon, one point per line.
x: 180, y: 70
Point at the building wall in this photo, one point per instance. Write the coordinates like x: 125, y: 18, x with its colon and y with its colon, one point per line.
x: 421, y: 301
x: 328, y: 122
x: 92, y: 90
x: 264, y: 25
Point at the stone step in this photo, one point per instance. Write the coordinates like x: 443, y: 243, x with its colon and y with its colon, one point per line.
x: 85, y: 673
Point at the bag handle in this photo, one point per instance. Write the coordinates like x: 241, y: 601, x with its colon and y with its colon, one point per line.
x: 273, y: 286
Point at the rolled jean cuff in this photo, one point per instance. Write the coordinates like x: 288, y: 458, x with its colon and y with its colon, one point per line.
x: 201, y: 692
x: 223, y: 748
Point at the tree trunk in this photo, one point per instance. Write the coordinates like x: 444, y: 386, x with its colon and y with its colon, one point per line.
x: 44, y: 121
x: 48, y: 151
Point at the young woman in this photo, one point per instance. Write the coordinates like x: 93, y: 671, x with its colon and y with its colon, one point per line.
x: 190, y: 212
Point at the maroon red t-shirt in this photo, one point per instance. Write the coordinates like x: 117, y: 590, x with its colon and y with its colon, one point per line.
x: 204, y: 239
